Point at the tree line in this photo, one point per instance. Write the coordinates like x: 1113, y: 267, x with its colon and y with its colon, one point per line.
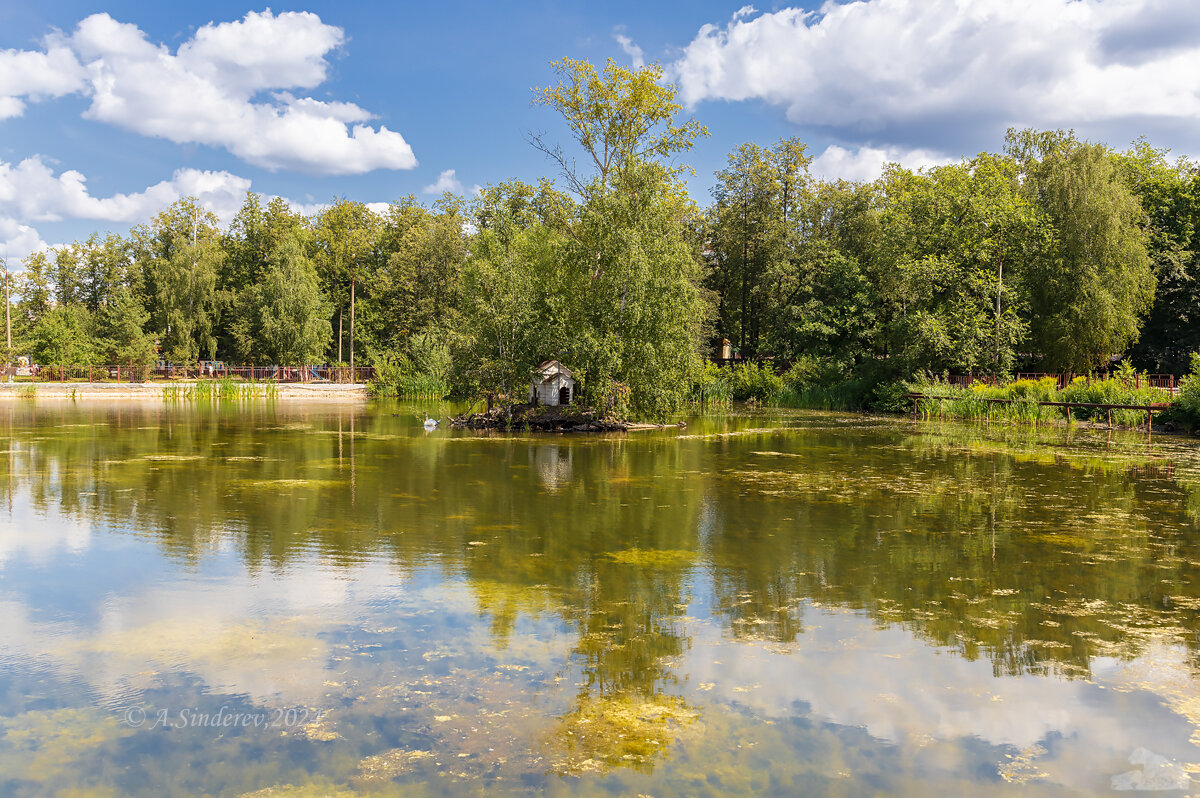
x: 1054, y: 254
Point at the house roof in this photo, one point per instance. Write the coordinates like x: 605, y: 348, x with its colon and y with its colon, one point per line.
x: 552, y: 367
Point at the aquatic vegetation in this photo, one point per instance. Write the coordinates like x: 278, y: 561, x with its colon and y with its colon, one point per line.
x: 630, y: 731
x: 45, y: 743
x: 380, y: 768
x: 653, y: 558
x: 1021, y: 767
x: 287, y: 484
x: 224, y: 390
x: 319, y: 788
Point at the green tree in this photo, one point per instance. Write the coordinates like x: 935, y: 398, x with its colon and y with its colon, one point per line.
x: 628, y: 292
x: 503, y: 322
x: 1169, y: 193
x: 184, y: 258
x: 415, y: 291
x: 104, y: 268
x: 34, y: 288
x: 620, y: 117
x: 957, y: 240
x: 347, y: 235
x: 120, y: 330
x: 65, y: 335
x: 1090, y: 290
x: 620, y: 301
x: 830, y: 302
x: 253, y: 235
x: 293, y: 321
x: 753, y: 235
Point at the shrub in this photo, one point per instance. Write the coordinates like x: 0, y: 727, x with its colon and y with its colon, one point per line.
x: 420, y: 372
x: 1188, y: 403
x: 751, y: 380
x: 711, y: 386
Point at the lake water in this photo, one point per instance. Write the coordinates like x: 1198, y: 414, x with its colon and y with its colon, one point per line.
x: 274, y: 599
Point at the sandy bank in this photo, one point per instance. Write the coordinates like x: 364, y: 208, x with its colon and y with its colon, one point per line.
x: 349, y: 392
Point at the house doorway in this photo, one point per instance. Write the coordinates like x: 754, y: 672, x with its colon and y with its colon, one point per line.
x: 564, y: 395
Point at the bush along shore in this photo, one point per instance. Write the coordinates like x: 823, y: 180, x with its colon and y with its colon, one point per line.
x: 534, y: 418
x: 1122, y: 399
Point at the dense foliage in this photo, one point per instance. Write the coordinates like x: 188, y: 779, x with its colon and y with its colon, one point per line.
x: 1054, y: 255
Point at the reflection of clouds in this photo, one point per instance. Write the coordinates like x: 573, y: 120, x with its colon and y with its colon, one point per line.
x: 850, y: 672
x: 254, y: 636
x: 26, y: 532
x: 266, y: 636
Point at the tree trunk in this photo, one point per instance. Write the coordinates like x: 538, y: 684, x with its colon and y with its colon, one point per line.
x: 999, y: 289
x: 339, y: 333
x: 742, y: 321
x: 351, y: 329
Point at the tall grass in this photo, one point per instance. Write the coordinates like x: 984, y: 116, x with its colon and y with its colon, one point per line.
x: 225, y: 390
x: 711, y: 386
x: 410, y: 385
x: 848, y: 395
x: 1021, y: 398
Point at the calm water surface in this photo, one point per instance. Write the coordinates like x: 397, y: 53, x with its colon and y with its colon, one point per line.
x: 273, y: 599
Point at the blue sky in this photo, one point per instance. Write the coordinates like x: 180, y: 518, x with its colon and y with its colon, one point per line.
x: 110, y: 111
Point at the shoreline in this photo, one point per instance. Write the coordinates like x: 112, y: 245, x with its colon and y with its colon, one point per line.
x: 286, y: 391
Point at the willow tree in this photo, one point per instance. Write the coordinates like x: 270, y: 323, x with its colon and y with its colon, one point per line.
x: 293, y: 322
x: 1090, y: 290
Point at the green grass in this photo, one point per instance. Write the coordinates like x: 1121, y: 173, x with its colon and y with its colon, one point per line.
x: 1021, y: 398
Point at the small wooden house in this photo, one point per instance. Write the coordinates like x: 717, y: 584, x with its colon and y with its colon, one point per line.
x: 553, y: 384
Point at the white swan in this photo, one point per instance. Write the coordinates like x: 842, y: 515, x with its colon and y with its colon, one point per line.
x: 430, y: 423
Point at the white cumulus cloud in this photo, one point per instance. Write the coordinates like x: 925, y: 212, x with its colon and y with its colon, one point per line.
x: 31, y: 192
x: 915, y: 71
x: 636, y: 56
x: 209, y: 91
x: 37, y: 75
x: 17, y: 241
x: 446, y: 182
x: 865, y: 164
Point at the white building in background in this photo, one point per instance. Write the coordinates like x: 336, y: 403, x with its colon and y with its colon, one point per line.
x: 553, y: 384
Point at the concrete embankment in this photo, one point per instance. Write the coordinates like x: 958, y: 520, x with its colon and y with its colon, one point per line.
x: 340, y: 392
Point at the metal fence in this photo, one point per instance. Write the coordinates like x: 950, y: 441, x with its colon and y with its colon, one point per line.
x: 70, y: 373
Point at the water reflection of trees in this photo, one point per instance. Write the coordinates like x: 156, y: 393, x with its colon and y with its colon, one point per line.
x: 1034, y: 556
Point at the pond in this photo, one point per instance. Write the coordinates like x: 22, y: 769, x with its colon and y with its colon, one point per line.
x: 278, y: 599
